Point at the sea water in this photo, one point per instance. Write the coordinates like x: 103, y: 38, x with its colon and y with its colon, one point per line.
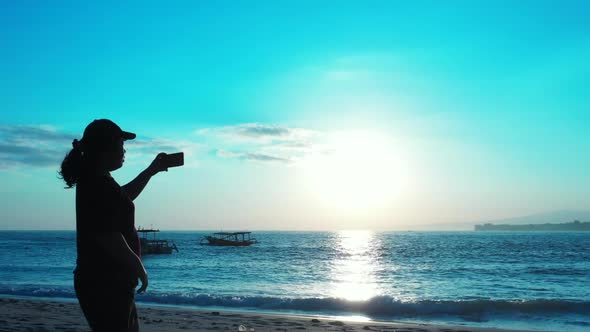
x: 521, y: 280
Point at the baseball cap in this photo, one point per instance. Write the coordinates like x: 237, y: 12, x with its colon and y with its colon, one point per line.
x: 102, y: 130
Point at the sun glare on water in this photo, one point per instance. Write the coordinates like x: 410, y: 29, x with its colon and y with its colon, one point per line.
x: 354, y: 269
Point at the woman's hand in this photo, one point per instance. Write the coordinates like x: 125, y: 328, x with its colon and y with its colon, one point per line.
x: 142, y: 275
x: 116, y: 246
x: 135, y: 187
x: 157, y: 165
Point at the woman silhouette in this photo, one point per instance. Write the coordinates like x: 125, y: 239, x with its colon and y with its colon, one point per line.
x: 108, y: 263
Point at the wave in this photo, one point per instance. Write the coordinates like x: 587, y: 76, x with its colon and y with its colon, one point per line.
x: 37, y: 291
x: 380, y: 306
x: 556, y: 271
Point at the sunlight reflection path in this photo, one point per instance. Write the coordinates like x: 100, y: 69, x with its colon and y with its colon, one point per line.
x: 354, y: 268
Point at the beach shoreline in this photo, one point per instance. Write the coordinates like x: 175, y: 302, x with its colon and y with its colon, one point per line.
x: 21, y: 314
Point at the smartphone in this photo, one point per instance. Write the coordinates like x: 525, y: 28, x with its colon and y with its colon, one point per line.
x: 174, y: 159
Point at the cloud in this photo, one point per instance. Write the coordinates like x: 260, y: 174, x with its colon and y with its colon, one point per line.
x: 293, y: 148
x: 253, y: 156
x: 227, y: 154
x: 157, y: 145
x: 46, y: 146
x: 261, y: 133
x: 30, y: 134
x: 140, y: 151
x: 37, y: 146
x: 257, y: 130
x: 261, y: 142
x: 265, y: 157
x: 14, y: 149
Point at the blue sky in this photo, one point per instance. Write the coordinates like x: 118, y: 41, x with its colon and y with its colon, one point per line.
x: 302, y: 115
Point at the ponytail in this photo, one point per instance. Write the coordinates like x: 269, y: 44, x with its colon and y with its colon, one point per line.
x: 73, y: 165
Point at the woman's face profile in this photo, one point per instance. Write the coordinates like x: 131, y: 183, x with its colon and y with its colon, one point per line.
x: 115, y: 156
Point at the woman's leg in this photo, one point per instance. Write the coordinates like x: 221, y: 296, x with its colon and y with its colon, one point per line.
x: 106, y: 307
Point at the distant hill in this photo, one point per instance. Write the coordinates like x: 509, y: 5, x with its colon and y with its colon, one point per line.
x: 568, y: 226
x: 561, y: 216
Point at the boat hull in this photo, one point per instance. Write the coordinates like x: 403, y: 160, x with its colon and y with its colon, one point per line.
x: 156, y: 247
x: 226, y: 243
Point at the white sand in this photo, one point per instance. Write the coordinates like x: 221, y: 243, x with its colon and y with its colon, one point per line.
x: 44, y: 315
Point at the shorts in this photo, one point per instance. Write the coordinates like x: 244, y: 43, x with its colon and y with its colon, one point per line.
x: 107, y: 307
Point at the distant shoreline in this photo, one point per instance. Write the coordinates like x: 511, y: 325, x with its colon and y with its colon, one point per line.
x: 570, y: 226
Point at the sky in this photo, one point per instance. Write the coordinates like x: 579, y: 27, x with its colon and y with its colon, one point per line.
x: 302, y: 115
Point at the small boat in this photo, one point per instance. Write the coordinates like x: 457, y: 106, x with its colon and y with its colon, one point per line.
x: 154, y: 246
x: 232, y: 239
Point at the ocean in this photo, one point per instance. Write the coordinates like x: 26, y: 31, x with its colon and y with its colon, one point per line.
x: 521, y: 280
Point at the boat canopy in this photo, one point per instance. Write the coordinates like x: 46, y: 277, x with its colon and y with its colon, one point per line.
x: 147, y: 230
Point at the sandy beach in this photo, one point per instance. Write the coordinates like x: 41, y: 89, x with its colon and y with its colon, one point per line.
x: 45, y: 315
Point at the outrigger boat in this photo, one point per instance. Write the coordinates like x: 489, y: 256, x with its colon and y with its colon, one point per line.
x: 153, y: 245
x: 235, y: 239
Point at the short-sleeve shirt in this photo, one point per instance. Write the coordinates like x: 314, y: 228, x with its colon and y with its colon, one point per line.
x: 102, y: 206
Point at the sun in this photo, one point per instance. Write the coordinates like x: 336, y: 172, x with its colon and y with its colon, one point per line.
x: 358, y: 171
